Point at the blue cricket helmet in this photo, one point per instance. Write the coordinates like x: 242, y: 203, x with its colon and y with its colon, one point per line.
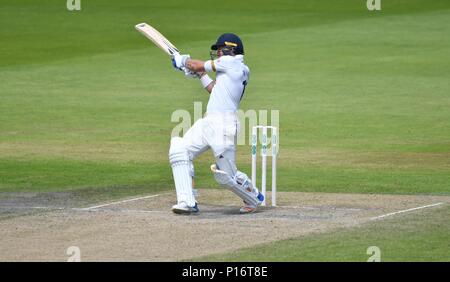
x: 230, y: 40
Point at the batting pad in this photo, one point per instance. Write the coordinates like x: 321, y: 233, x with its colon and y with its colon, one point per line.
x: 245, y: 192
x: 181, y: 170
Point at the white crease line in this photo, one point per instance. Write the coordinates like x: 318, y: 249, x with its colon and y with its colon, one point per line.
x: 403, y: 211
x: 321, y: 208
x: 37, y: 208
x: 142, y: 211
x: 119, y: 210
x: 118, y: 202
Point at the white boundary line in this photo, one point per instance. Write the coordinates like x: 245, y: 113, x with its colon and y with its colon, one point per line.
x: 118, y: 202
x: 403, y: 211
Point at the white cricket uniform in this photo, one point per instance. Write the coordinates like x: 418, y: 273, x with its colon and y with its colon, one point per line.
x: 218, y: 129
x: 232, y: 76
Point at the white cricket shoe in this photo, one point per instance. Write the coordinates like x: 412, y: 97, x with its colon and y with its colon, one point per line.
x: 183, y: 208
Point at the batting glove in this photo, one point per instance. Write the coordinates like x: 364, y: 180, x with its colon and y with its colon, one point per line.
x: 179, y: 61
x: 188, y: 73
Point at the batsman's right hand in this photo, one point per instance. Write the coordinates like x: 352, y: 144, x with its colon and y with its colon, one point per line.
x: 179, y: 61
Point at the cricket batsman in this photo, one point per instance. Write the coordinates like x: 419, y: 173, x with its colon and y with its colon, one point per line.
x: 218, y: 129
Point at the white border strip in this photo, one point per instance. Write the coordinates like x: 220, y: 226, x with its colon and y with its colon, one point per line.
x: 118, y: 202
x: 403, y: 211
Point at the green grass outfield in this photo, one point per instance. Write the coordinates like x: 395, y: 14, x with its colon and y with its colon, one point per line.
x: 415, y: 237
x: 363, y: 97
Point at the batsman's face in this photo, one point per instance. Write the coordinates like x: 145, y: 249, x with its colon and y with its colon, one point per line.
x: 216, y: 53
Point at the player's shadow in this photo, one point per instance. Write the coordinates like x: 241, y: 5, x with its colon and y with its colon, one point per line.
x: 227, y: 210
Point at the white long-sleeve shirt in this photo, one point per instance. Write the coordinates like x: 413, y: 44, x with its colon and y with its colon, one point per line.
x: 231, y: 78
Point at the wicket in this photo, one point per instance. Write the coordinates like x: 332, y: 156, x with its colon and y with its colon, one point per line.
x: 274, y: 148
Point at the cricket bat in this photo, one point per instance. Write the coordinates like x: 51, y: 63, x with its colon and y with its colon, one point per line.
x: 157, y: 38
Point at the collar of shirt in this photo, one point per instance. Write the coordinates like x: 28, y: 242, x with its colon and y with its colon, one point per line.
x: 240, y: 57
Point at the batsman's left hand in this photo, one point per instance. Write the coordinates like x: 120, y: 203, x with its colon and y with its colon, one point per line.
x: 179, y: 61
x: 189, y: 74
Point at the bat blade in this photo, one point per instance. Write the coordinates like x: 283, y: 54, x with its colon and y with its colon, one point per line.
x: 157, y: 38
